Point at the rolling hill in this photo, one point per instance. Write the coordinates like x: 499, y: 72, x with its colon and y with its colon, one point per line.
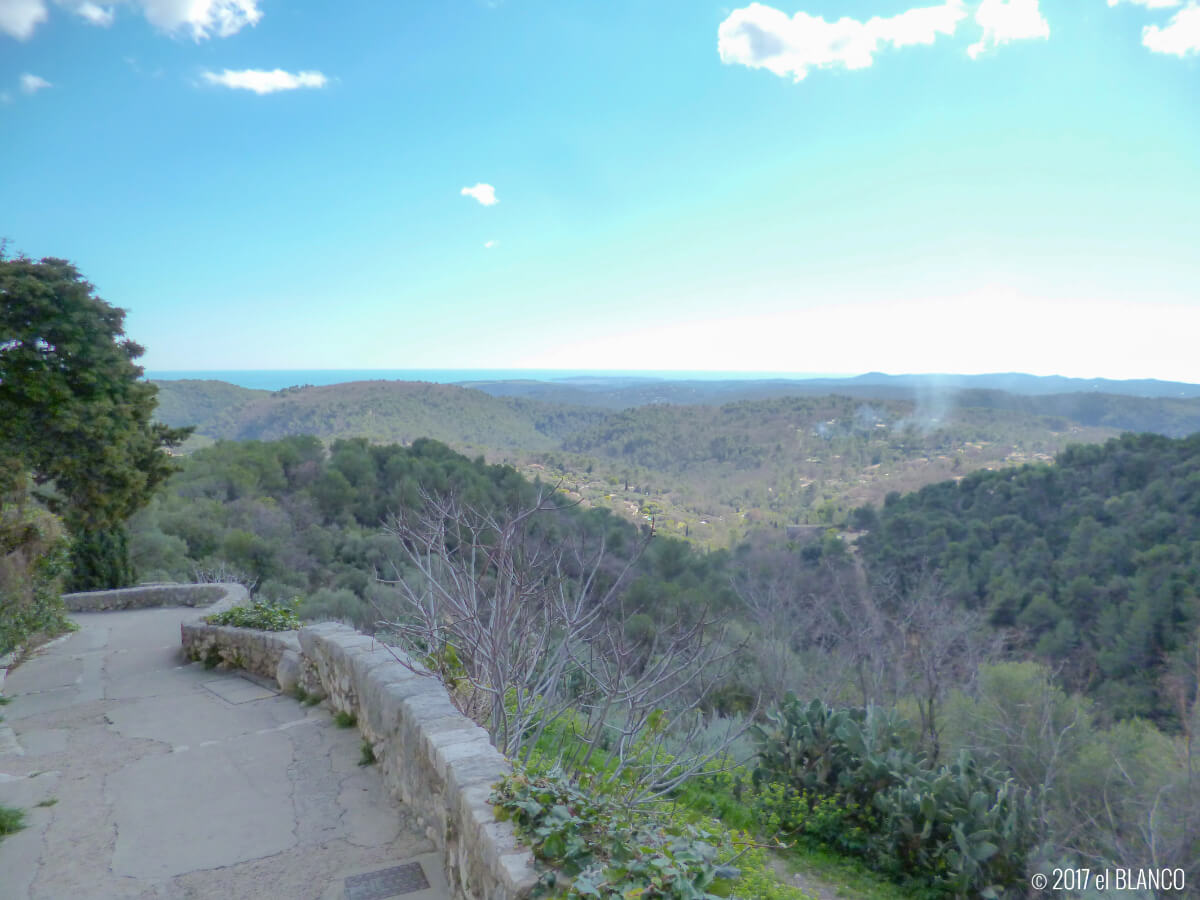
x: 739, y: 453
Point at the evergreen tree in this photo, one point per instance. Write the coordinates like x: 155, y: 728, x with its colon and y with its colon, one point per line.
x: 75, y: 413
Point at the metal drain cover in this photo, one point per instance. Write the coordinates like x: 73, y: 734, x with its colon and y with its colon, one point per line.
x: 393, y: 882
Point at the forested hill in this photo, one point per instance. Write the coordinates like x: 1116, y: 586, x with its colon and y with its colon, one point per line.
x: 1095, y: 561
x: 706, y: 471
x: 382, y: 411
x: 1044, y: 395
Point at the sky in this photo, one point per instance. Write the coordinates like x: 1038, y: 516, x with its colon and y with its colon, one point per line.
x: 801, y: 186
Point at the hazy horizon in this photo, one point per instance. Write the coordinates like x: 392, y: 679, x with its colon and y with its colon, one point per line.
x: 277, y: 379
x: 810, y: 185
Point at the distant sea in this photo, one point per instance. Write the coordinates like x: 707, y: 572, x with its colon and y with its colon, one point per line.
x: 277, y: 379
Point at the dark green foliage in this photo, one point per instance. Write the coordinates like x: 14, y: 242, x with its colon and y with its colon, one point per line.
x: 100, y: 558
x: 345, y: 719
x: 845, y: 778
x: 261, y: 615
x: 74, y: 411
x: 1095, y: 560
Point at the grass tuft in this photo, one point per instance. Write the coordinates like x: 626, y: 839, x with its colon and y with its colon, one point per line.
x: 11, y: 820
x: 368, y: 755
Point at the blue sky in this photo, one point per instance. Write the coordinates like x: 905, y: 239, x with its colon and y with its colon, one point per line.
x: 818, y: 185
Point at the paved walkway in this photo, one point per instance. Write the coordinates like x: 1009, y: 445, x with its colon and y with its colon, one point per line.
x: 157, y: 779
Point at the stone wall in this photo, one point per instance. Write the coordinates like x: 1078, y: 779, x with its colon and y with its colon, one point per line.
x: 433, y: 758
x: 215, y: 596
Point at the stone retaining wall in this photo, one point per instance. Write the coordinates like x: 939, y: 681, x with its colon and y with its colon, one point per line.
x: 433, y: 758
x: 215, y: 596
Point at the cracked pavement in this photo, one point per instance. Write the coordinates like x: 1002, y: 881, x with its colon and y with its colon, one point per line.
x: 162, y: 779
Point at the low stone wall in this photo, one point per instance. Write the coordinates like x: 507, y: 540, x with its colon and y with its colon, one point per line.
x: 434, y: 759
x: 270, y: 654
x: 214, y: 596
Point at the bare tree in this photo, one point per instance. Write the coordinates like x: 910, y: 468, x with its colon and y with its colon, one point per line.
x: 841, y: 637
x: 940, y: 646
x: 221, y: 572
x: 527, y: 627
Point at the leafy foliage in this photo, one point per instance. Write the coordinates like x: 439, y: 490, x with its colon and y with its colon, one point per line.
x: 33, y: 560
x: 74, y: 411
x: 261, y: 615
x: 844, y: 777
x: 593, y: 849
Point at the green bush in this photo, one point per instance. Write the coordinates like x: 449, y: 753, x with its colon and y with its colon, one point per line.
x: 844, y: 778
x: 261, y: 615
x: 11, y: 820
x: 33, y: 561
x: 593, y: 849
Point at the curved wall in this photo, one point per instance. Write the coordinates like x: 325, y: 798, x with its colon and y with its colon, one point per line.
x: 433, y: 758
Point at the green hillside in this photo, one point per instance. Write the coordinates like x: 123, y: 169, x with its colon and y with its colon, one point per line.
x: 381, y: 411
x: 1094, y: 562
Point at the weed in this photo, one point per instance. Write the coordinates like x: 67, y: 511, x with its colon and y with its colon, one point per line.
x: 345, y: 719
x: 368, y: 755
x: 4, y: 700
x: 11, y: 820
x: 48, y: 802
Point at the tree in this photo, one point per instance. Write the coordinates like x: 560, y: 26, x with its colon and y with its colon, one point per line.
x: 75, y: 413
x: 523, y: 617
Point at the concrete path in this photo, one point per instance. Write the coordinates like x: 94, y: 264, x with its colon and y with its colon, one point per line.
x: 145, y: 777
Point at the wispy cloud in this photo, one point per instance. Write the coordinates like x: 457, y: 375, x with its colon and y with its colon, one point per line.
x: 201, y: 19
x: 763, y: 37
x: 263, y: 82
x: 1180, y: 36
x: 94, y: 13
x: 1008, y: 20
x: 1149, y: 4
x: 484, y: 193
x: 31, y: 84
x: 488, y: 245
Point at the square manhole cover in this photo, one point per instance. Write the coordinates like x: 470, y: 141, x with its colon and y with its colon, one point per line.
x: 393, y: 882
x: 238, y: 690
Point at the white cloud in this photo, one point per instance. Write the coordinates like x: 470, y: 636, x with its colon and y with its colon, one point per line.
x: 484, y: 193
x: 263, y: 82
x: 1180, y: 37
x: 490, y: 244
x: 1149, y: 4
x: 1008, y: 20
x: 763, y: 37
x: 19, y: 18
x: 97, y: 15
x: 200, y: 19
x: 203, y: 18
x: 31, y: 84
